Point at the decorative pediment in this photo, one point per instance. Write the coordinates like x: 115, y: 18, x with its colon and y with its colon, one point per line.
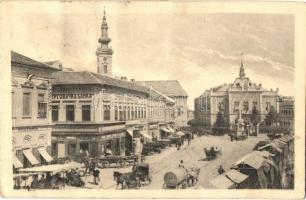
x: 43, y: 86
x: 29, y: 84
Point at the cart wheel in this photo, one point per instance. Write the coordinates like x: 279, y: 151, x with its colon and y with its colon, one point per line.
x: 121, y: 162
x: 105, y: 164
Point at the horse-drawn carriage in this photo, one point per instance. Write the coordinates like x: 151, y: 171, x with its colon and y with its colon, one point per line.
x: 150, y: 148
x: 181, y: 178
x: 121, y: 161
x: 211, y: 153
x: 139, y: 176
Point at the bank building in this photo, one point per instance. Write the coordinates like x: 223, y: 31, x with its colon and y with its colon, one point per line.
x: 241, y: 97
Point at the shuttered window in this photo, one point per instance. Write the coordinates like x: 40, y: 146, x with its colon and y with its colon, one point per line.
x: 26, y: 104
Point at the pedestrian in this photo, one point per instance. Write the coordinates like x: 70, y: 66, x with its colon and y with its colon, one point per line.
x: 221, y: 170
x: 96, y: 175
x: 181, y: 164
x: 189, y: 140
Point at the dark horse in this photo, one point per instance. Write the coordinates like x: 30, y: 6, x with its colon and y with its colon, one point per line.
x: 121, y: 178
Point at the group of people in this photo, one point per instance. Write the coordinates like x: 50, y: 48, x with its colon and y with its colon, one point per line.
x: 91, y: 167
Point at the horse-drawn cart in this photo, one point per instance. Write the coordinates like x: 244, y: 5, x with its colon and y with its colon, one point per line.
x: 176, y: 179
x: 121, y: 161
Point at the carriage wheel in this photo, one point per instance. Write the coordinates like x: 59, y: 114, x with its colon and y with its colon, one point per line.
x: 105, y: 164
x: 121, y: 163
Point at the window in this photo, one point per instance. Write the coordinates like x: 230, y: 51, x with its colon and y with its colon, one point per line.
x: 268, y: 105
x: 129, y: 113
x: 132, y: 113
x: 105, y: 69
x: 236, y: 106
x: 71, y: 149
x: 42, y: 106
x: 26, y: 104
x: 178, y: 112
x: 245, y: 106
x: 86, y: 112
x: 138, y: 112
x: 69, y: 112
x: 13, y: 105
x: 255, y: 105
x: 55, y: 113
x: 116, y: 113
x: 124, y: 113
x: 106, y: 112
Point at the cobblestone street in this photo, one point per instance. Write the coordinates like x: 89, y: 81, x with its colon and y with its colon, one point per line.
x: 193, y: 156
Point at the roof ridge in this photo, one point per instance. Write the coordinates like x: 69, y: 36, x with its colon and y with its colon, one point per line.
x: 91, y: 74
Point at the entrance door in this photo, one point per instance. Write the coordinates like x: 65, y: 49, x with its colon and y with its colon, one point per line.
x: 61, y: 150
x: 94, y: 151
x: 84, y: 146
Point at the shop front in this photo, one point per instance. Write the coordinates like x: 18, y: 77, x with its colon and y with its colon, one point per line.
x: 92, y: 140
x: 31, y: 146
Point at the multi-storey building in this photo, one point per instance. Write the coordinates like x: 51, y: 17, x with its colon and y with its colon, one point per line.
x: 31, y: 117
x: 173, y: 90
x: 94, y: 111
x: 286, y: 113
x: 241, y: 97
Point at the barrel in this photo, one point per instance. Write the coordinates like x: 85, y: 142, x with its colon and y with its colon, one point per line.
x: 174, y: 177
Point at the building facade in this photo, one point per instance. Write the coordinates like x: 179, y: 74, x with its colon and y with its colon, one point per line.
x: 93, y: 112
x: 173, y: 90
x: 286, y: 113
x: 240, y: 97
x: 31, y: 118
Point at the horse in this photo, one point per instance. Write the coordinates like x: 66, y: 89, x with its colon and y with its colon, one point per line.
x: 193, y: 174
x: 121, y: 178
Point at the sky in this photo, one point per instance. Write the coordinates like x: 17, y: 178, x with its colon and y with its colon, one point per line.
x: 199, y: 50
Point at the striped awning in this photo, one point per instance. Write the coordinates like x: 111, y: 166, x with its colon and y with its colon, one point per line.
x: 16, y: 162
x: 130, y: 132
x: 43, y: 152
x: 29, y: 155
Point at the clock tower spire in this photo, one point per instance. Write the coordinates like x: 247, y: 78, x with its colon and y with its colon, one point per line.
x: 104, y: 52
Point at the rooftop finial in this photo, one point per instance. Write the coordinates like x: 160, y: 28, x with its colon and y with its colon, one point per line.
x: 241, y: 73
x: 104, y: 18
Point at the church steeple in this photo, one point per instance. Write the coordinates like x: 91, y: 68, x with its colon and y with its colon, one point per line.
x: 104, y: 52
x: 241, y: 72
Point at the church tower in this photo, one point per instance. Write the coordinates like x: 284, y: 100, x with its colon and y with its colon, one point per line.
x: 241, y: 72
x: 104, y: 52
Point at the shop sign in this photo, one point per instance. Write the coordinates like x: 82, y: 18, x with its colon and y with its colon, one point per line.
x: 71, y: 96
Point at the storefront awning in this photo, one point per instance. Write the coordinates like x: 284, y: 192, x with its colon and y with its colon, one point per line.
x: 145, y: 135
x: 165, y: 130
x: 130, y: 132
x: 45, y: 154
x: 170, y: 129
x: 29, y: 155
x: 16, y: 162
x: 221, y: 182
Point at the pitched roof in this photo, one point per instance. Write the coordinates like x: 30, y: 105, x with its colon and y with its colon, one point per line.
x: 17, y: 58
x: 167, y: 87
x: 85, y: 77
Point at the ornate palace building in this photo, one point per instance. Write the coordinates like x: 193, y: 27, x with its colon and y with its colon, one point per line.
x: 94, y: 111
x: 241, y: 96
x: 31, y: 118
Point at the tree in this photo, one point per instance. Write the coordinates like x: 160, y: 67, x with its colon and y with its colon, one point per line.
x: 220, y: 124
x: 255, y: 116
x: 272, y: 117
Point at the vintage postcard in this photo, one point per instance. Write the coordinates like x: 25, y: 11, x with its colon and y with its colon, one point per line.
x: 152, y: 99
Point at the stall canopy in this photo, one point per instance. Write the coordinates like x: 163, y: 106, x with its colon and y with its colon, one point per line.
x: 236, y: 176
x: 252, y: 159
x: 53, y: 168
x: 130, y: 132
x: 222, y: 182
x: 29, y: 155
x: 16, y: 162
x: 45, y: 154
x: 146, y: 135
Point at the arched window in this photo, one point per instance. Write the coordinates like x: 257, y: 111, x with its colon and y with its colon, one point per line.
x: 105, y: 69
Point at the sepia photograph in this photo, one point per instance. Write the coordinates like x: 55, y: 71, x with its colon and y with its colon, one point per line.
x: 118, y: 97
